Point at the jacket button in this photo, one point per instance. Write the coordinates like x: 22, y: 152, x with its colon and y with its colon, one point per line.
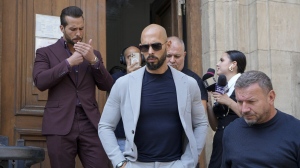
x: 131, y: 149
x: 132, y: 132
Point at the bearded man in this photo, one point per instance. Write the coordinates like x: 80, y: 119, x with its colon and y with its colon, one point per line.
x: 164, y: 120
x: 70, y: 70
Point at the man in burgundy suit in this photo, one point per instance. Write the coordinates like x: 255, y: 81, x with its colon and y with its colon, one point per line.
x: 71, y: 69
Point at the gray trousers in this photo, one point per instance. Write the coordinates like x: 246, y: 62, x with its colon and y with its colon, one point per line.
x: 173, y: 164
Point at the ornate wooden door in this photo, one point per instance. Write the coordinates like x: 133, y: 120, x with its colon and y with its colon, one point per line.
x: 22, y: 105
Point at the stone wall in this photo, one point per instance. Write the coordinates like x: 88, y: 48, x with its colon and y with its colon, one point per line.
x: 267, y: 31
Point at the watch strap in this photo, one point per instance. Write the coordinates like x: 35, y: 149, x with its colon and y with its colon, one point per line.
x: 119, y: 165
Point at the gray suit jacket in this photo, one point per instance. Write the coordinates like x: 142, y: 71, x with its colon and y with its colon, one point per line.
x: 124, y: 101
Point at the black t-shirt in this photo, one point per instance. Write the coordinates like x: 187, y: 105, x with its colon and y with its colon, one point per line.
x: 158, y: 135
x: 275, y: 143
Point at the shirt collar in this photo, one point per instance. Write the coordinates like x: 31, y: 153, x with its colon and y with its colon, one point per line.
x: 64, y: 43
x: 231, y: 83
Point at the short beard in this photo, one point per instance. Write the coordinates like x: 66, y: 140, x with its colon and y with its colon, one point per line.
x: 152, y: 66
x: 69, y: 40
x: 250, y: 122
x: 258, y: 119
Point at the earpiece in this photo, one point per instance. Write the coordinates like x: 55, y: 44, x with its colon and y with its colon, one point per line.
x: 122, y: 60
x: 122, y: 57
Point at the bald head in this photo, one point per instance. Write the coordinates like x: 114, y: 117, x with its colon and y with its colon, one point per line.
x: 154, y: 46
x: 176, y: 53
x: 176, y: 41
x: 154, y: 30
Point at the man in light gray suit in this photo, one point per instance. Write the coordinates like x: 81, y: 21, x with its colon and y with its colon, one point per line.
x: 164, y: 121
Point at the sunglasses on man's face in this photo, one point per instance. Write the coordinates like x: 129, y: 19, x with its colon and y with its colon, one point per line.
x: 154, y: 46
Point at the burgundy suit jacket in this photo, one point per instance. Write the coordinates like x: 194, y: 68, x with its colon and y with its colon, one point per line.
x: 51, y: 72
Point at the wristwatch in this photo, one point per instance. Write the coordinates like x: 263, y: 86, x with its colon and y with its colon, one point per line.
x: 95, y: 61
x: 119, y: 165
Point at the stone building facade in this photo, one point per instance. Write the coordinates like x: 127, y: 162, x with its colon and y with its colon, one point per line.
x: 267, y: 32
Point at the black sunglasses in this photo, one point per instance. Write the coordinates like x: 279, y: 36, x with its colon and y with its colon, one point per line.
x: 154, y: 46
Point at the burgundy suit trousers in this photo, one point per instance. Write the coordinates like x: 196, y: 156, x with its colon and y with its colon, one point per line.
x: 82, y: 140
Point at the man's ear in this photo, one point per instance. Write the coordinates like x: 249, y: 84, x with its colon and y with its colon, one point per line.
x: 62, y: 28
x: 169, y: 42
x: 184, y: 54
x: 271, y: 97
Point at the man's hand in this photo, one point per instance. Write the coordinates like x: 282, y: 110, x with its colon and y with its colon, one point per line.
x: 132, y: 67
x: 124, y: 165
x: 86, y: 50
x: 75, y: 59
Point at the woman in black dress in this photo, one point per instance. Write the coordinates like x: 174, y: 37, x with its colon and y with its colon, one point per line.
x: 231, y: 64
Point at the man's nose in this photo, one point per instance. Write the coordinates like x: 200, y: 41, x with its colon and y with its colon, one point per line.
x: 151, y: 51
x: 78, y: 32
x: 172, y: 58
x: 244, y: 108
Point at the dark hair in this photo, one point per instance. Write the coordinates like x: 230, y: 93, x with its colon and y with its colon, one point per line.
x: 240, y: 58
x: 72, y: 11
x: 251, y: 77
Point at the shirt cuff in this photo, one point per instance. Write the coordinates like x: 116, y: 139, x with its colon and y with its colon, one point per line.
x: 68, y: 65
x: 96, y: 65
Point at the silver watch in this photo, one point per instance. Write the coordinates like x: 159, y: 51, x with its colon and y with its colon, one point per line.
x: 119, y: 165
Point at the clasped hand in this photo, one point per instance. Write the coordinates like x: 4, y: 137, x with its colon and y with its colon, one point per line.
x: 82, y: 51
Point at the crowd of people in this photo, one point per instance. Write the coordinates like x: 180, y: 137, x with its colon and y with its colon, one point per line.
x: 158, y: 111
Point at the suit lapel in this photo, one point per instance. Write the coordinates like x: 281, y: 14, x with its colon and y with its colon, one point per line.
x: 59, y: 51
x: 180, y: 81
x: 135, y: 92
x: 61, y: 54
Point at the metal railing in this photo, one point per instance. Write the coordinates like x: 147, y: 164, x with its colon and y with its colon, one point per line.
x: 19, y: 156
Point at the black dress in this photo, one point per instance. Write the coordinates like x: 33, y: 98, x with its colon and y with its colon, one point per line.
x: 224, y: 117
